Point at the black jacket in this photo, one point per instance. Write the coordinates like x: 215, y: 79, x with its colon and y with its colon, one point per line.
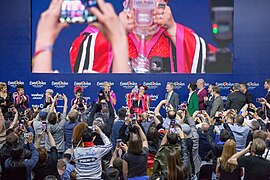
x: 236, y: 100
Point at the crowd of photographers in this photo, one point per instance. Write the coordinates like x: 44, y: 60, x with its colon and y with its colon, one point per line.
x: 200, y: 139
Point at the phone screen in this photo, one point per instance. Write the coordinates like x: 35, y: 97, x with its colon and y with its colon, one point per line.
x: 77, y: 11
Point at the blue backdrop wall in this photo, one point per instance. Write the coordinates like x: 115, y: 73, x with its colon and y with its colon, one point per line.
x: 251, y: 52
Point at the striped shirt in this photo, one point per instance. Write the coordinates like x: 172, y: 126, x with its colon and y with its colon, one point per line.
x: 88, y: 159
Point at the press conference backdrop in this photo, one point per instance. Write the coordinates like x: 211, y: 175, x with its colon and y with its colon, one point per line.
x: 251, y: 54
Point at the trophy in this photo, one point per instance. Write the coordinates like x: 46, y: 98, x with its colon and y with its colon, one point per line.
x: 144, y: 27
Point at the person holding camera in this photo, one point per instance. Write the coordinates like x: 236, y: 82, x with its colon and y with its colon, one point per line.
x: 79, y: 100
x: 255, y: 166
x: 88, y: 155
x: 173, y: 146
x: 56, y: 123
x: 135, y: 160
x: 17, y: 167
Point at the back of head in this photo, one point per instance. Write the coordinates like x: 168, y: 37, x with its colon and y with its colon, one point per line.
x: 99, y: 122
x: 73, y: 116
x: 122, y: 113
x: 49, y: 91
x: 112, y: 173
x: 172, y: 138
x: 171, y: 114
x: 118, y: 163
x: 244, y: 85
x: 77, y: 132
x: 216, y: 89
x: 88, y: 135
x: 229, y: 149
x: 152, y: 134
x: 135, y: 144
x: 260, y: 134
x: 43, y: 155
x: 50, y: 177
x: 175, y: 168
x: 236, y: 87
x: 193, y: 86
x: 52, y: 118
x: 239, y: 119
x: 12, y: 139
x: 224, y: 135
x: 258, y: 146
x: 261, y: 113
x: 16, y: 152
x: 205, y: 127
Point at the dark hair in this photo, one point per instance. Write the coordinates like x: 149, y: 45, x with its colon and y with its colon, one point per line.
x: 12, y: 139
x: 42, y: 155
x: 193, y: 86
x: 152, y: 134
x: 267, y: 81
x: 88, y: 135
x: 172, y: 138
x: 175, y: 167
x: 244, y: 84
x: 16, y: 152
x: 52, y: 118
x: 135, y: 144
x: 239, y: 119
x: 224, y: 135
x: 122, y: 113
x: 20, y: 86
x: 261, y: 113
x: 10, y: 130
x: 172, y: 114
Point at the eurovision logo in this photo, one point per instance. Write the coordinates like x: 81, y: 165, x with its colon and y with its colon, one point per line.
x: 59, y: 84
x: 224, y: 85
x: 83, y: 84
x: 37, y: 84
x: 15, y: 83
x: 37, y: 96
x: 177, y: 85
x: 253, y: 85
x: 154, y: 97
x: 128, y: 84
x: 152, y: 84
x: 100, y: 84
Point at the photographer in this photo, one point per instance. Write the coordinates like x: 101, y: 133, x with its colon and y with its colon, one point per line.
x: 17, y: 167
x: 88, y: 155
x: 56, y: 123
x: 171, y: 143
x: 135, y: 160
x: 102, y: 109
x: 79, y: 100
x: 255, y: 166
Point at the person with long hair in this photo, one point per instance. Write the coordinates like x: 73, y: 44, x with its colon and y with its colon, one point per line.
x: 5, y: 100
x: 225, y: 170
x: 77, y: 133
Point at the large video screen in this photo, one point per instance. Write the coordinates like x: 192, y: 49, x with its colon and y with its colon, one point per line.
x: 180, y: 37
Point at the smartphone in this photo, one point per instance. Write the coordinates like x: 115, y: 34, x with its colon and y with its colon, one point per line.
x: 119, y: 141
x: 44, y: 126
x: 77, y: 11
x: 10, y: 110
x: 259, y: 100
x: 26, y: 135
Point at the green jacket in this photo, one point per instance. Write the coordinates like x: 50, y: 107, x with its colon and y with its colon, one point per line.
x: 193, y: 103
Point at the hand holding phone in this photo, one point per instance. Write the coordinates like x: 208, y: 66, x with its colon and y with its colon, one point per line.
x: 77, y: 11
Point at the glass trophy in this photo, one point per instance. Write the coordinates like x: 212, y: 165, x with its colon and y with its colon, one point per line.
x: 144, y: 27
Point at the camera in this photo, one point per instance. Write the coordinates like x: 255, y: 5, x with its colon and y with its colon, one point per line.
x: 44, y: 126
x: 259, y: 100
x: 119, y: 141
x: 10, y: 110
x: 77, y: 11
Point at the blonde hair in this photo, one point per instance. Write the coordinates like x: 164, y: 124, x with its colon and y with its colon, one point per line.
x: 229, y: 149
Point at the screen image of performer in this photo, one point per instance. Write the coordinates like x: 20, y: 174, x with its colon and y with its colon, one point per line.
x: 173, y: 48
x: 138, y: 100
